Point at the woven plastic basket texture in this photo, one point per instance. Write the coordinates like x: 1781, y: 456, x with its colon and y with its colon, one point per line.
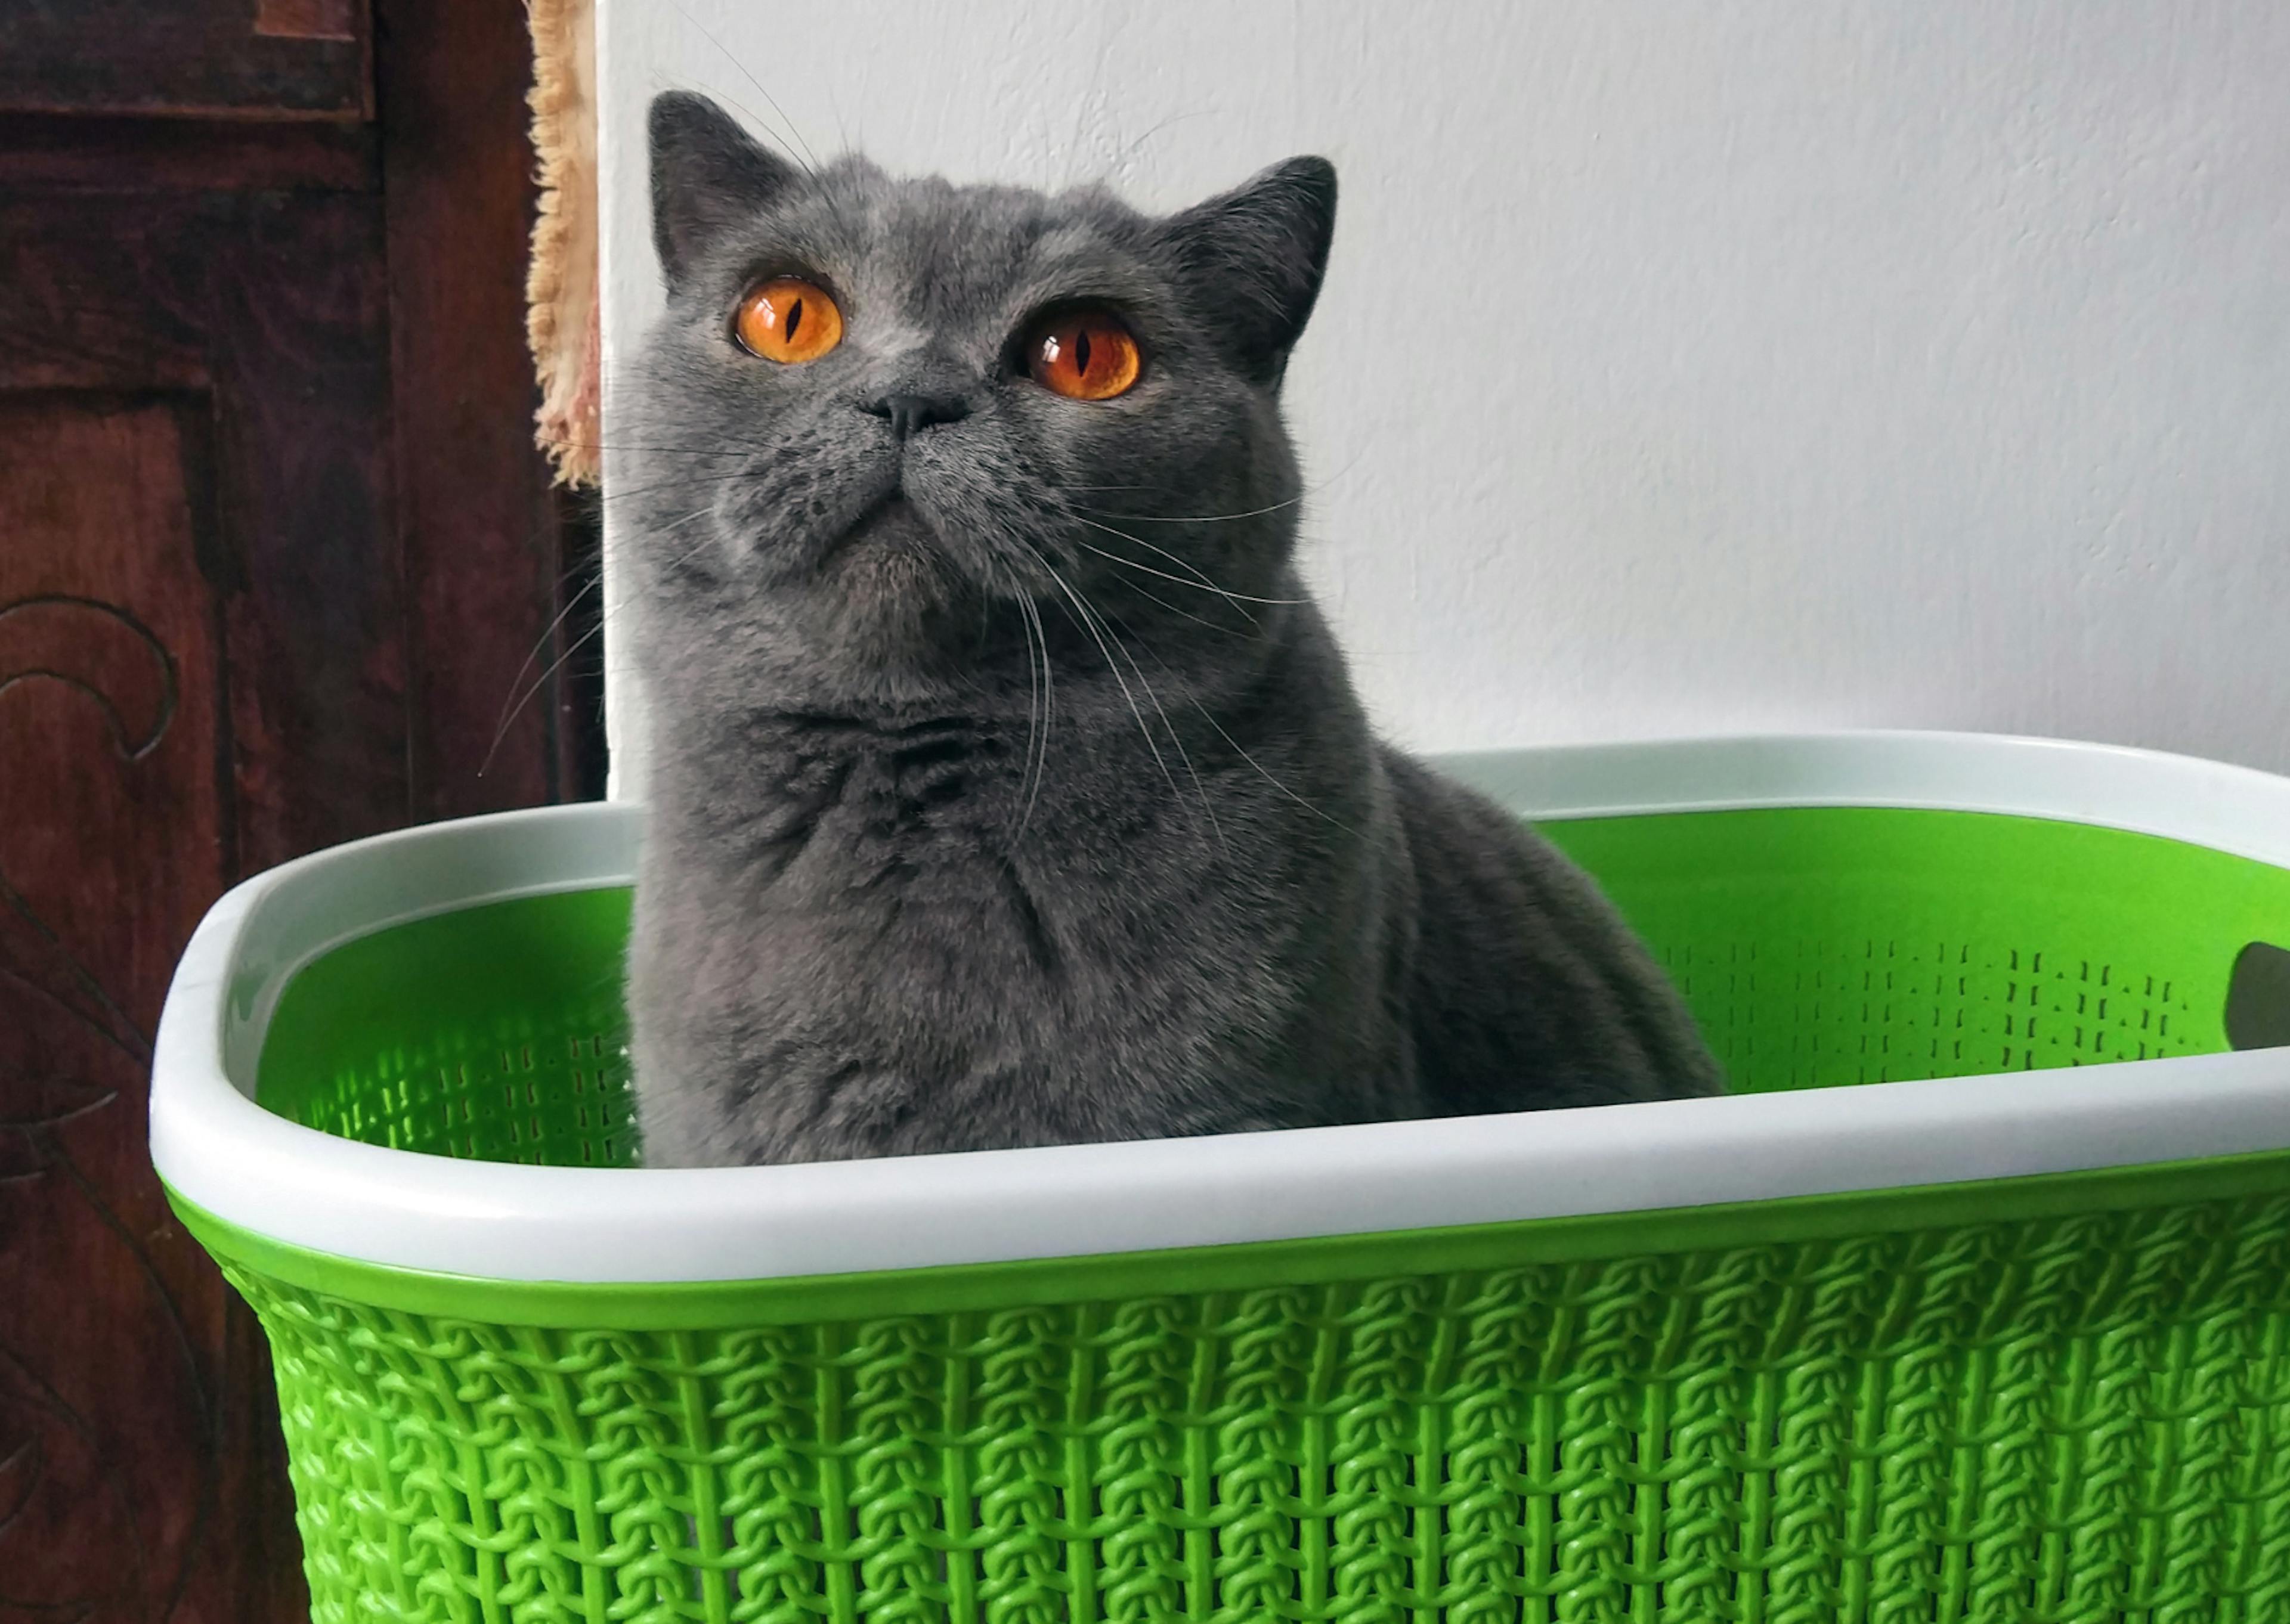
x: 2061, y: 1398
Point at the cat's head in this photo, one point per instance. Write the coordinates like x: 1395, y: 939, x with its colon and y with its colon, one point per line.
x: 887, y: 424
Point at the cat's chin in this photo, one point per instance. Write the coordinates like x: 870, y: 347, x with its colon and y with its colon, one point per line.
x: 888, y: 587
x: 892, y: 523
x: 890, y: 562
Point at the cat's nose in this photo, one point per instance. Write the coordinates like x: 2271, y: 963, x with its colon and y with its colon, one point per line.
x: 909, y: 415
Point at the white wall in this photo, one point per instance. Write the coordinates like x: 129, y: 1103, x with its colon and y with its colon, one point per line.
x: 1793, y: 365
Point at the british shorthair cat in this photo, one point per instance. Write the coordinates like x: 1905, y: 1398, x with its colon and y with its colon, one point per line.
x: 1007, y: 788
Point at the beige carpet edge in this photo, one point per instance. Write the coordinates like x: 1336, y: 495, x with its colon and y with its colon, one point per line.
x: 562, y: 319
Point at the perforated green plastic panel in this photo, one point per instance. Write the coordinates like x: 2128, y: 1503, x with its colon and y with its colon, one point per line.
x: 496, y: 1032
x: 2050, y: 1399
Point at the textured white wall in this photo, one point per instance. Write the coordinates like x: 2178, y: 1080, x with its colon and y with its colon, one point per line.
x: 1684, y: 368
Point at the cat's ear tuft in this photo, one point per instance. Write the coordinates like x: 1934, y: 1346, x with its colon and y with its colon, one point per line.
x: 1253, y: 259
x: 708, y: 176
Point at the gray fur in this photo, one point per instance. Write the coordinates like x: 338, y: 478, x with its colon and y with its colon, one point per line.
x: 906, y: 891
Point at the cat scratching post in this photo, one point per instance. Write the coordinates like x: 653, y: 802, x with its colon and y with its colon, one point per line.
x: 561, y: 289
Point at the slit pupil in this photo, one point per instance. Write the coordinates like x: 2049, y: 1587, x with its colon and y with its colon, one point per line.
x: 1081, y: 353
x: 794, y: 320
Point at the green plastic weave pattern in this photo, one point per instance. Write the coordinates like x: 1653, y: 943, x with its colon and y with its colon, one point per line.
x: 1817, y: 947
x: 2083, y: 1418
x: 1943, y: 1406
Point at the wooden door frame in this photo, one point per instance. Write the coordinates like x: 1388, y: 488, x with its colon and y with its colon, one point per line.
x: 481, y: 541
x: 329, y: 305
x: 484, y: 542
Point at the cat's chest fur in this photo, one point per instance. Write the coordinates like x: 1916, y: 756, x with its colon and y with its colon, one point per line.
x: 894, y: 940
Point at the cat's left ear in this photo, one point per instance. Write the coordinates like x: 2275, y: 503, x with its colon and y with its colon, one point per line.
x: 708, y: 176
x: 1252, y: 260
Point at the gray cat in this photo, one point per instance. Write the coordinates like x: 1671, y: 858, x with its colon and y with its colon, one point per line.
x: 1007, y: 788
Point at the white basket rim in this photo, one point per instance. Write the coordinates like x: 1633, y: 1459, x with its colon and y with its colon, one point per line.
x: 308, y: 1189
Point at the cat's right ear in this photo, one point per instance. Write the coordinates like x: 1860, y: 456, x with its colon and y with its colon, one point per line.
x: 708, y: 176
x: 1256, y: 256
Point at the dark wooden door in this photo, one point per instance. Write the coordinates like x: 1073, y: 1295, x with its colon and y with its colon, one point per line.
x: 273, y: 547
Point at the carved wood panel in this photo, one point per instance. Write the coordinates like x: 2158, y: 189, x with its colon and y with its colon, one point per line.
x: 273, y: 545
x: 111, y: 842
x: 201, y: 648
x: 272, y: 307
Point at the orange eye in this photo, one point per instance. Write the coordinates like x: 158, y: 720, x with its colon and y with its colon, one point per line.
x: 789, y: 320
x: 1083, y: 355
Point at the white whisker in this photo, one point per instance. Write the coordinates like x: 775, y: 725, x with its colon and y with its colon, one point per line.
x: 1235, y: 598
x: 1152, y: 597
x: 1197, y: 518
x: 501, y: 732
x: 1178, y: 559
x: 1082, y: 619
x: 1267, y: 776
x: 1175, y: 737
x: 1039, y: 697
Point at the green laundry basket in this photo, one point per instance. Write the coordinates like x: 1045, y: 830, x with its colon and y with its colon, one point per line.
x: 2007, y: 1339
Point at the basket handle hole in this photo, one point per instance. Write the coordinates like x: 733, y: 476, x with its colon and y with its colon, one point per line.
x: 2258, y: 998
